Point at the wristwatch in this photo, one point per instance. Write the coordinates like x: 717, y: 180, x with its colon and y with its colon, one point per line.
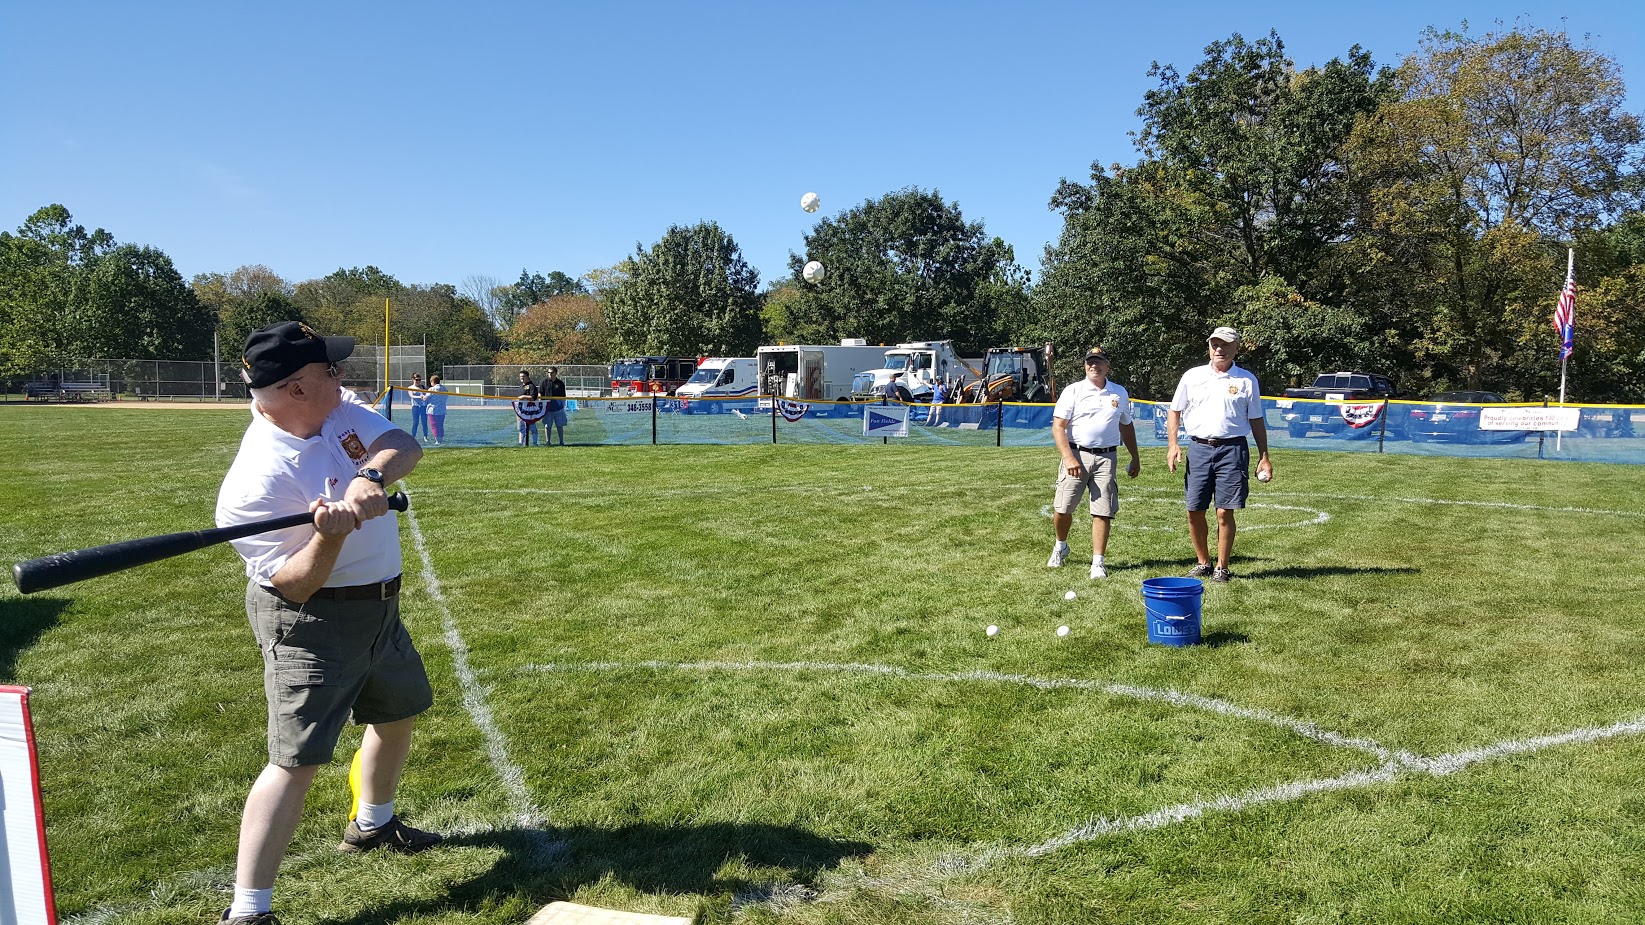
x: 375, y: 475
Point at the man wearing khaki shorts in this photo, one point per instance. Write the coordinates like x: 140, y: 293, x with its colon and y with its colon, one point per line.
x: 323, y: 600
x: 1092, y: 417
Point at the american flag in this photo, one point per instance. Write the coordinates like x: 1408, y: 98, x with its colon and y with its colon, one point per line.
x: 1565, y: 318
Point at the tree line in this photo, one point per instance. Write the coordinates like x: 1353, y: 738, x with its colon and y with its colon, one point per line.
x: 1410, y: 219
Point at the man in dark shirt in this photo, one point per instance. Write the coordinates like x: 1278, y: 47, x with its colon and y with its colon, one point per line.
x: 554, y: 391
x: 528, y: 421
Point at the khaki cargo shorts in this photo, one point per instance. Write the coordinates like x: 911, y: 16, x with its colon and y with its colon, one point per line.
x: 1100, y: 479
x: 327, y: 661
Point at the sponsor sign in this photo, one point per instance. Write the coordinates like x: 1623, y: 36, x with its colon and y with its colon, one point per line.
x: 1528, y: 418
x: 885, y: 421
x: 1359, y: 416
x: 636, y: 406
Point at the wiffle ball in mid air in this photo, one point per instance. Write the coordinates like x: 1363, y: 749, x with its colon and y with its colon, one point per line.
x: 810, y: 202
x: 813, y: 272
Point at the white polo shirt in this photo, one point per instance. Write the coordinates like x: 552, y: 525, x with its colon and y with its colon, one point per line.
x: 1217, y: 404
x: 1094, y: 414
x: 277, y: 473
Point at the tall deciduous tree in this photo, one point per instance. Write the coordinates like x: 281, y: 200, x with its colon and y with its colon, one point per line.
x: 1502, y: 149
x: 563, y: 329
x: 690, y: 293
x: 904, y: 267
x: 68, y: 294
x: 1233, y: 215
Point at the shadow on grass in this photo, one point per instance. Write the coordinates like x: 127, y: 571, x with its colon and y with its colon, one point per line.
x: 1224, y: 638
x: 540, y: 867
x: 23, y: 620
x: 1327, y: 571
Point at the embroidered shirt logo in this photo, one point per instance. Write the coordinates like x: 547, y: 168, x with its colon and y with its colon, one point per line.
x: 1233, y: 390
x: 353, y: 447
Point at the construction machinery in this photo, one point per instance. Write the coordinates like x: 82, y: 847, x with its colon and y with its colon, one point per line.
x: 1021, y: 374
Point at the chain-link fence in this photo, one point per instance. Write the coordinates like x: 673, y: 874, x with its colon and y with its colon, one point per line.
x: 198, y: 380
x: 580, y: 381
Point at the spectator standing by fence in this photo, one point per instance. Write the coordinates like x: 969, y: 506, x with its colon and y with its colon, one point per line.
x: 1092, y: 418
x: 939, y: 394
x: 1219, y: 406
x: 419, y: 406
x: 554, y: 418
x: 528, y: 393
x: 437, y: 409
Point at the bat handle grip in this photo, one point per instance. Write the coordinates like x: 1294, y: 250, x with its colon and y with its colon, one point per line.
x: 398, y: 501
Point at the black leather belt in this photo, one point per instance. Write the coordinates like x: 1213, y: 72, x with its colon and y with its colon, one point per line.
x: 1097, y: 449
x: 1218, y: 441
x: 380, y: 591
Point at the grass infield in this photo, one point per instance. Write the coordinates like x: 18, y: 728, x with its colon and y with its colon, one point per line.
x: 751, y: 684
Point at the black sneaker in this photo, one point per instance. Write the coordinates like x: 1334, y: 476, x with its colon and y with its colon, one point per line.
x: 256, y: 918
x: 1200, y: 570
x: 393, y: 835
x: 1221, y: 576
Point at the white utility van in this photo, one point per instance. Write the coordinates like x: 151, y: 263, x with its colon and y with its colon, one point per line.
x: 722, y: 377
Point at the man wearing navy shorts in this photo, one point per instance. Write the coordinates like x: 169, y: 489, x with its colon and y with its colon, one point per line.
x: 1219, y: 406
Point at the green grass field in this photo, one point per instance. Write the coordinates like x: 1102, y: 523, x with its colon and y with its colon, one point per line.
x: 751, y: 684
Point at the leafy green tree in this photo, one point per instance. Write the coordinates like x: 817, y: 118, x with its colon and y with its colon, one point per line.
x: 690, y: 293
x: 1501, y: 149
x: 67, y: 294
x: 41, y: 322
x: 454, y: 328
x: 135, y: 305
x: 531, y: 289
x: 244, y: 300
x: 1234, y: 212
x: 904, y: 267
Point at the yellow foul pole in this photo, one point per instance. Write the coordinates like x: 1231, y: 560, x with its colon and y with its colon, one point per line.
x: 388, y: 383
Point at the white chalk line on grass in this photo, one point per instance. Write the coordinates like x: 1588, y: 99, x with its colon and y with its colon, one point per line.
x: 1502, y: 505
x: 524, y: 810
x: 1394, y: 764
x: 1161, y: 695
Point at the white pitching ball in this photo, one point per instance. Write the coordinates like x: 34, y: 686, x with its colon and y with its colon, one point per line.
x: 810, y: 202
x: 1069, y: 596
x: 1062, y: 631
x: 813, y: 272
x: 992, y: 630
x: 1264, y: 475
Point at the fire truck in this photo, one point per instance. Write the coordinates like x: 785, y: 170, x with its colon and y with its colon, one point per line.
x: 650, y: 375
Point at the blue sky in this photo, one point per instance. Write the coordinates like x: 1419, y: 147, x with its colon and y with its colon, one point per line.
x: 439, y: 141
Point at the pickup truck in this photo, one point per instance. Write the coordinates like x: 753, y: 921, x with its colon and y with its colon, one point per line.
x: 1342, y: 389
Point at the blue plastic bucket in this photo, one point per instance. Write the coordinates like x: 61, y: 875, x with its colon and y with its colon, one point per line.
x: 1173, y: 610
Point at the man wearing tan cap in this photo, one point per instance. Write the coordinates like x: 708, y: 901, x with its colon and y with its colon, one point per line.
x: 1091, y: 420
x: 1219, y: 406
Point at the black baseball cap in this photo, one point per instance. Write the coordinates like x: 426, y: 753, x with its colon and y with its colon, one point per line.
x: 277, y: 351
x: 1095, y: 353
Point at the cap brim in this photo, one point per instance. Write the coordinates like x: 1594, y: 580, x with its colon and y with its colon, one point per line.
x: 339, y: 348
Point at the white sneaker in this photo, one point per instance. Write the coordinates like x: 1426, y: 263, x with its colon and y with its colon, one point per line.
x: 1097, y: 571
x: 1059, y: 555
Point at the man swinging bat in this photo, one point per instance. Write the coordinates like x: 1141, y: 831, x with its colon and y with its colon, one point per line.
x: 323, y: 600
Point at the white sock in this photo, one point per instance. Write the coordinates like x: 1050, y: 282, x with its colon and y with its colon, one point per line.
x: 1061, y: 544
x: 374, y: 815
x: 1096, y: 560
x: 250, y: 902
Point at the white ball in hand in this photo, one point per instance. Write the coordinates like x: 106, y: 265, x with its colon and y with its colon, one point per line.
x: 1263, y: 475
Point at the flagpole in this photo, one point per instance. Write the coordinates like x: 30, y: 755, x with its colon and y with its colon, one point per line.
x: 1570, y: 270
